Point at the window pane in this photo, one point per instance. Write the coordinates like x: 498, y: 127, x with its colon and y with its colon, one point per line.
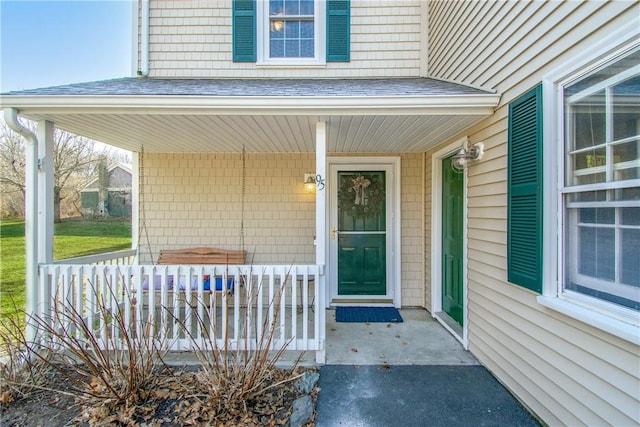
x: 291, y: 7
x: 587, y: 167
x: 630, y: 265
x: 588, y: 196
x: 276, y: 7
x: 626, y: 159
x: 292, y: 49
x: 591, y: 178
x: 630, y: 216
x: 596, y: 252
x: 628, y: 194
x: 306, y: 29
x: 292, y: 30
x: 626, y: 151
x: 597, y: 215
x: 277, y: 30
x: 589, y: 120
x: 626, y: 109
x: 277, y: 48
x: 306, y: 7
x: 307, y: 49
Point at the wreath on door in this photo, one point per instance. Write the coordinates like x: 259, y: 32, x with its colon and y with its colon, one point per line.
x: 362, y: 195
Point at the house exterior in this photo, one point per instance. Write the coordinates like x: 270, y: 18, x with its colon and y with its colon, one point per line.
x: 109, y: 194
x: 525, y: 246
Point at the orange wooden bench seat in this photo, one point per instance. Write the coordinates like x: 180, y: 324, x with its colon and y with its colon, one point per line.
x: 201, y: 256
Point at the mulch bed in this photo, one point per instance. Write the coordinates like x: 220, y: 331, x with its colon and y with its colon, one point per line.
x: 175, y: 400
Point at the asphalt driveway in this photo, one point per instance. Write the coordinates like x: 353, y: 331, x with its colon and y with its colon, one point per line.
x: 415, y: 395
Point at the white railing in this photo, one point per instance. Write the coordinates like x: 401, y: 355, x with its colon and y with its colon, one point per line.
x: 125, y: 257
x: 186, y: 305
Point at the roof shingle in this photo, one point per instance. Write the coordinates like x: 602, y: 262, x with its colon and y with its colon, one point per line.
x: 137, y: 86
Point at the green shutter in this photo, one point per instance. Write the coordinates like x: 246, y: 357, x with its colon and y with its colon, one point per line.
x: 244, y: 30
x: 524, y: 216
x: 338, y: 30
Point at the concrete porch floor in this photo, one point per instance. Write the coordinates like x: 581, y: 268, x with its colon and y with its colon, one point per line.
x: 418, y: 340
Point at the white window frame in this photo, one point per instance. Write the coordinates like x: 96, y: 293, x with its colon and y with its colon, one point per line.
x: 263, y: 41
x: 609, y: 169
x: 616, y: 320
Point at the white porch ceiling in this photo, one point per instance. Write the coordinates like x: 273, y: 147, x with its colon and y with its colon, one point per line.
x: 263, y: 134
x: 263, y: 116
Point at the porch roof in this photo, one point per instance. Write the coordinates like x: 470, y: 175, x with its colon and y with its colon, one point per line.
x: 264, y: 115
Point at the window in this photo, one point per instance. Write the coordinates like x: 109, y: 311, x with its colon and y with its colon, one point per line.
x: 291, y: 32
x: 600, y: 189
x: 292, y: 29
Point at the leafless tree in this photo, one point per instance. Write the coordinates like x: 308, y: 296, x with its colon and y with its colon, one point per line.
x: 75, y: 159
x: 72, y: 154
x: 12, y: 170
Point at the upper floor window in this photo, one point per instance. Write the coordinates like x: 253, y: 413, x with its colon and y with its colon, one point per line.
x: 292, y: 29
x: 291, y: 32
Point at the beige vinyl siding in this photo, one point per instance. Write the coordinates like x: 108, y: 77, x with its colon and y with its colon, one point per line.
x: 567, y: 372
x: 192, y: 38
x: 502, y: 45
x: 411, y: 240
x: 195, y: 199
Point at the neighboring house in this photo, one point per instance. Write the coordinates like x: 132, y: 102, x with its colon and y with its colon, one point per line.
x: 109, y: 195
x: 529, y: 256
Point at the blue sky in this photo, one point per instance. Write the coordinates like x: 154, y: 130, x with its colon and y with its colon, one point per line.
x: 48, y: 43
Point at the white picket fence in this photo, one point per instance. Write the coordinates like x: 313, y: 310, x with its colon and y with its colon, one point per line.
x: 183, y: 306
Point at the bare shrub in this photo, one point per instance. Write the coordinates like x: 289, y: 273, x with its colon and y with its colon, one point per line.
x: 20, y: 372
x: 232, y: 376
x: 112, y: 368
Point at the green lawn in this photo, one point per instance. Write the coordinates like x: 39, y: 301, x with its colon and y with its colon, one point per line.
x: 71, y: 238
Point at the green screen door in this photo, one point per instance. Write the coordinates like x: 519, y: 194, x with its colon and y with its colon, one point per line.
x: 362, y: 264
x: 452, y: 240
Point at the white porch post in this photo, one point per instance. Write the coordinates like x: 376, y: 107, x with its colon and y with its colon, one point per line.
x: 44, y: 254
x: 135, y: 204
x: 30, y: 215
x: 321, y: 229
x: 45, y: 192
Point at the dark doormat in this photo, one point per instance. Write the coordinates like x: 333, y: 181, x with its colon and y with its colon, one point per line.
x: 367, y: 314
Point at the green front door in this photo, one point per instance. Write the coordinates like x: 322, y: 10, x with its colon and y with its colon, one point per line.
x: 361, y: 233
x: 452, y: 240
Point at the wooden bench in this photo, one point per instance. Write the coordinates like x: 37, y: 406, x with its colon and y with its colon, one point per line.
x: 201, y: 256
x: 197, y: 256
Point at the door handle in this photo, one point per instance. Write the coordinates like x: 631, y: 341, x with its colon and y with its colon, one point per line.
x: 333, y: 233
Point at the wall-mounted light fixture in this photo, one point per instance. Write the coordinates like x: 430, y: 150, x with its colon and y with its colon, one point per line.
x: 309, y: 182
x: 461, y: 159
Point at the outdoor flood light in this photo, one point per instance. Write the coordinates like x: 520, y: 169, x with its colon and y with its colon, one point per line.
x: 461, y: 159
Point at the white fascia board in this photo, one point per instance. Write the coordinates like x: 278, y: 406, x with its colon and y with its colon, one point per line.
x: 348, y: 105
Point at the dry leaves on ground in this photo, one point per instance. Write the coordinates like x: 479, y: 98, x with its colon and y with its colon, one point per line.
x: 175, y: 400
